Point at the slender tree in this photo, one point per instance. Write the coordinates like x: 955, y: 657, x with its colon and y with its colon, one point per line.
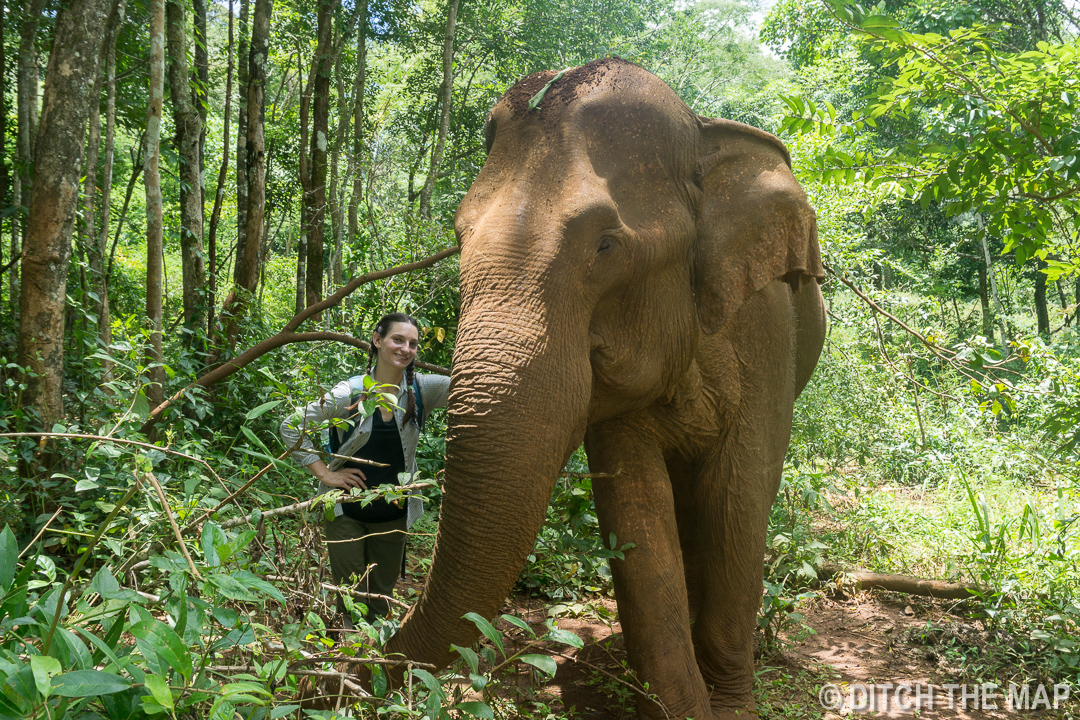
x: 201, y: 78
x: 152, y: 183
x: 58, y: 157
x: 188, y: 123
x: 116, y: 19
x: 445, y: 97
x: 5, y: 178
x: 358, y: 121
x: 315, y: 198
x: 333, y: 198
x: 27, y: 99
x: 246, y: 276
x: 242, y: 68
x: 219, y: 191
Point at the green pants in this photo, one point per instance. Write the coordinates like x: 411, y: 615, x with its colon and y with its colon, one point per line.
x: 354, y: 545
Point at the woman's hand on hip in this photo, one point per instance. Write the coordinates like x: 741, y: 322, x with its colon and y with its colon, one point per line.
x: 344, y: 479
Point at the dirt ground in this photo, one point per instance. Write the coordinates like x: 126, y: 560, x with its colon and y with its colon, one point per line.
x: 899, y: 649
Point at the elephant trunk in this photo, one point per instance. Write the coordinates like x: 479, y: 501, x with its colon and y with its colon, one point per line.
x: 517, y: 409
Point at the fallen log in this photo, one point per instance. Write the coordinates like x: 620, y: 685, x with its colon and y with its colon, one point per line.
x: 865, y: 580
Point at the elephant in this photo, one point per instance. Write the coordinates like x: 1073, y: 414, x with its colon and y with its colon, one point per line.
x: 647, y: 281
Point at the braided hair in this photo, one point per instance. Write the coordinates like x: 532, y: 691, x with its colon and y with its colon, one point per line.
x: 382, y: 329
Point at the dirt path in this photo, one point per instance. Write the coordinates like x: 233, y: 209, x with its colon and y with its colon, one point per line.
x: 874, y: 655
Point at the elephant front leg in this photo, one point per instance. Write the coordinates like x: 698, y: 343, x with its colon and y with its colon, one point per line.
x: 729, y: 493
x: 650, y: 587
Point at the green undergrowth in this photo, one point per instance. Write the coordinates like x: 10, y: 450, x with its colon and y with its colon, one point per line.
x: 903, y: 463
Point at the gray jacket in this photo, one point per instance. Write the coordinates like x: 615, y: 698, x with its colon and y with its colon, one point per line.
x: 299, y: 426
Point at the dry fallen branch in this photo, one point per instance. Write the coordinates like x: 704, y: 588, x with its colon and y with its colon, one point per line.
x: 348, y: 591
x: 866, y: 580
x: 288, y: 334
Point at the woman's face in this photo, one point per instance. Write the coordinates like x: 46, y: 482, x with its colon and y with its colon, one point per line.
x: 398, y: 347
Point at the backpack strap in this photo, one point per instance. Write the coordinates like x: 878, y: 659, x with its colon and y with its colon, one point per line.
x: 419, y: 410
x: 339, y: 435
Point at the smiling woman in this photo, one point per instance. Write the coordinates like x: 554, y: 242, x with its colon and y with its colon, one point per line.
x: 371, y: 535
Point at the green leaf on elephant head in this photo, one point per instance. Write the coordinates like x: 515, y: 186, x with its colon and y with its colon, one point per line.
x: 543, y: 663
x: 487, y: 628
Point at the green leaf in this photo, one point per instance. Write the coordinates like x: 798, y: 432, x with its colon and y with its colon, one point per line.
x: 238, y: 543
x: 246, y: 692
x: 430, y: 682
x: 543, y: 663
x: 88, y: 683
x: 157, y: 637
x: 255, y: 582
x: 488, y: 629
x: 212, y: 539
x: 9, y: 555
x: 44, y: 667
x: 262, y: 409
x: 159, y: 689
x: 478, y: 682
x: 476, y: 709
x: 252, y: 437
x: 103, y: 646
x: 471, y: 658
x: 141, y: 406
x: 230, y: 587
x: 565, y: 637
x: 22, y: 682
x: 518, y: 622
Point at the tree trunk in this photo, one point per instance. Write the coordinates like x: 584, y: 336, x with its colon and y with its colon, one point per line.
x: 5, y: 178
x: 445, y: 97
x: 1042, y: 313
x: 993, y: 286
x: 201, y: 76
x: 334, y: 198
x: 152, y: 183
x: 358, y: 123
x: 58, y: 157
x: 248, y: 246
x: 188, y: 124
x: 87, y: 230
x: 241, y: 138
x: 26, y: 95
x: 219, y: 191
x: 301, y: 262
x: 116, y: 19
x: 256, y: 144
x: 322, y: 64
x: 984, y: 301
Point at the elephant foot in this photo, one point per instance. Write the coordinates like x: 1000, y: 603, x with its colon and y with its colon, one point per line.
x: 737, y: 712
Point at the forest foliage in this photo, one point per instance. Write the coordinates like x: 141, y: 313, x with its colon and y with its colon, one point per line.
x: 232, y: 248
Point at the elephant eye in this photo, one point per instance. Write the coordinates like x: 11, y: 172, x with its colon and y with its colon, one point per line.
x: 605, y: 243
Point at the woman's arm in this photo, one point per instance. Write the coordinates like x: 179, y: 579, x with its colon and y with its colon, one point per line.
x: 435, y: 389
x: 296, y: 429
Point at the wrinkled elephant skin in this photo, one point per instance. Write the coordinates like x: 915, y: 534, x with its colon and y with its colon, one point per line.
x: 646, y: 280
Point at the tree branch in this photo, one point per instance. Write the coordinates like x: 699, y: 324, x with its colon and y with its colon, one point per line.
x: 288, y: 334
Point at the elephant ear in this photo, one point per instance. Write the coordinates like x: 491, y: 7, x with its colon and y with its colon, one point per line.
x: 754, y: 223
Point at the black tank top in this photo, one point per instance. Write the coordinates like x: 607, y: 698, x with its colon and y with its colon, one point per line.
x: 383, y: 446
